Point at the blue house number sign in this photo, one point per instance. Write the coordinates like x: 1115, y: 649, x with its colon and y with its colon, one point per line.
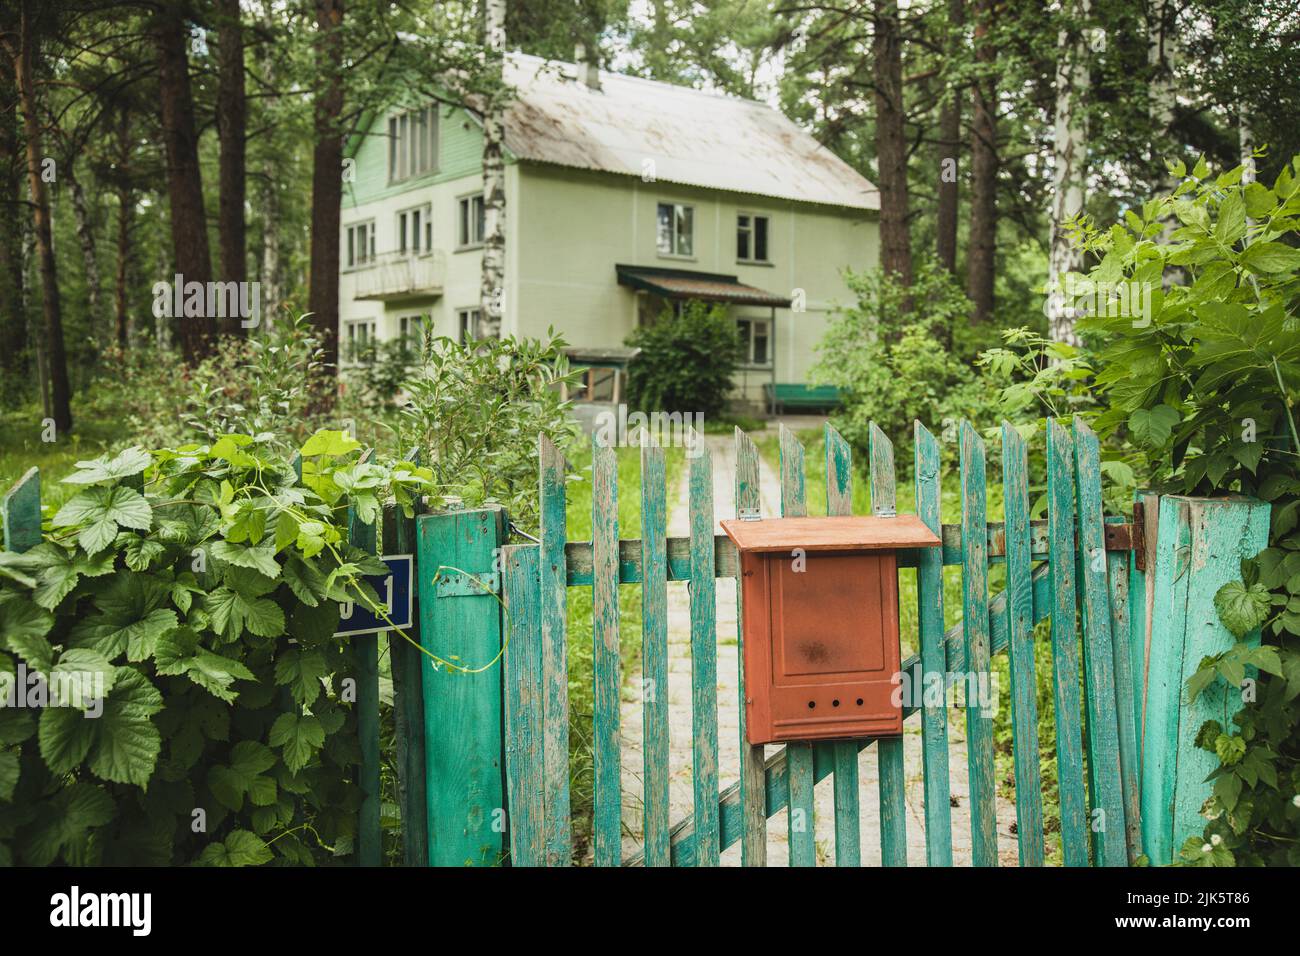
x: 394, y: 590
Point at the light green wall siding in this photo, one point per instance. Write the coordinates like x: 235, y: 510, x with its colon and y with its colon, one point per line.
x: 573, y: 226
x: 460, y: 153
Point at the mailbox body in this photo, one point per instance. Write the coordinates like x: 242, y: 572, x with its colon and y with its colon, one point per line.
x: 820, y: 624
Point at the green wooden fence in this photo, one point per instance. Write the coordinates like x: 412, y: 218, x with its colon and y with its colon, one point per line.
x: 1078, y: 583
x: 482, y: 755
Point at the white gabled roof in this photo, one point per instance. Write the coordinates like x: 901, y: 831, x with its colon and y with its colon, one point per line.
x: 694, y: 138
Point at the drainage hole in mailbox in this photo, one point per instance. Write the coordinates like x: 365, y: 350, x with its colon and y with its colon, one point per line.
x: 834, y: 703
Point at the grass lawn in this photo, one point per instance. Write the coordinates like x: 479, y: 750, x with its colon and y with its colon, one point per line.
x: 950, y: 510
x: 21, y: 448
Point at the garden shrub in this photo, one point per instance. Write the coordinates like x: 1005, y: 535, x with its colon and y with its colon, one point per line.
x: 474, y: 411
x: 1201, y: 390
x: 889, y: 360
x: 687, y: 361
x: 201, y: 585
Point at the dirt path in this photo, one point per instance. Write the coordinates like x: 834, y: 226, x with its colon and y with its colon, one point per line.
x: 680, y: 733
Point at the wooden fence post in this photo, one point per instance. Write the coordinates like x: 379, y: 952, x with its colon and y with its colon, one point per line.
x: 1200, y: 545
x: 365, y: 647
x: 459, y: 571
x: 20, y: 512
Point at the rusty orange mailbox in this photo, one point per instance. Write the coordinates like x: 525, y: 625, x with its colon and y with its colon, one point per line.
x: 821, y: 623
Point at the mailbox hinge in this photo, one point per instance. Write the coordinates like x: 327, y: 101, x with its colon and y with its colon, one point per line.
x: 749, y: 514
x: 468, y: 585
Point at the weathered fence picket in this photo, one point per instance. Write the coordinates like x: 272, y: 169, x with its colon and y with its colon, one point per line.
x: 1020, y: 648
x: 889, y: 750
x: 975, y: 618
x: 1065, y: 646
x: 934, y: 665
x: 839, y: 501
x: 654, y: 656
x: 753, y: 788
x: 704, y: 665
x: 606, y: 669
x: 800, y: 821
x: 365, y: 650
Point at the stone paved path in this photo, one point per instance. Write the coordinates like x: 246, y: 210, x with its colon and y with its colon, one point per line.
x: 680, y: 733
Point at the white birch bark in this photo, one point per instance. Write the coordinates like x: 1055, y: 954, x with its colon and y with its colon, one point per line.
x: 494, y: 173
x: 1069, y: 171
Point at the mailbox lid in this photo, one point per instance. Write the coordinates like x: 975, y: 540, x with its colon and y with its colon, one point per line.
x: 836, y: 533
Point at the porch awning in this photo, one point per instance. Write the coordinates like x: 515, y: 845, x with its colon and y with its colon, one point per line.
x: 705, y: 286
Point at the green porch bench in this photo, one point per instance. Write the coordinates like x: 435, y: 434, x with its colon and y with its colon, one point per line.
x: 781, y: 396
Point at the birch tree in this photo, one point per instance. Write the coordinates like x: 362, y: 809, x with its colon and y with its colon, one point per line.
x: 494, y: 171
x: 1069, y: 157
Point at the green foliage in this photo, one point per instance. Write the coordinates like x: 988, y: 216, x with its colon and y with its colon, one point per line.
x: 384, y: 367
x: 474, y: 411
x: 1202, y: 388
x: 185, y: 600
x: 687, y: 361
x: 887, y: 357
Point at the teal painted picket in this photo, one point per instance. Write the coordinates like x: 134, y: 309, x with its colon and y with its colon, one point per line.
x: 1048, y: 576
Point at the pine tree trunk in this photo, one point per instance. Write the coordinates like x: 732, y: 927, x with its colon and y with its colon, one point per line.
x: 58, y: 402
x: 984, y: 173
x: 189, y: 227
x: 1069, y: 172
x: 85, y: 224
x: 949, y: 163
x: 231, y: 122
x: 327, y: 182
x: 891, y: 145
x: 494, y: 174
x: 13, y: 319
x: 122, y: 250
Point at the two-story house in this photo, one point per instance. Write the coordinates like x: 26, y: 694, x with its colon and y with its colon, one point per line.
x: 624, y: 196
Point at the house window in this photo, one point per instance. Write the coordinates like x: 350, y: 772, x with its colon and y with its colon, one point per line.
x: 755, y: 341
x: 468, y: 320
x: 361, y: 336
x: 411, y: 329
x: 751, y: 238
x: 412, y: 143
x: 415, y: 229
x: 676, y: 229
x: 361, y: 243
x: 596, y: 385
x: 471, y: 220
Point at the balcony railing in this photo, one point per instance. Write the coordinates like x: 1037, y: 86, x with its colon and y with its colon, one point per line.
x: 398, y: 275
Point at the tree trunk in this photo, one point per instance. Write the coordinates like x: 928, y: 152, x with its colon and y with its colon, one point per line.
x: 86, y: 239
x: 327, y: 181
x: 184, y: 179
x: 984, y: 172
x: 1069, y: 172
x: 891, y: 145
x: 59, y: 401
x: 269, y: 207
x: 232, y: 110
x: 270, y: 271
x: 949, y: 161
x: 125, y: 209
x: 13, y: 318
x: 494, y: 174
